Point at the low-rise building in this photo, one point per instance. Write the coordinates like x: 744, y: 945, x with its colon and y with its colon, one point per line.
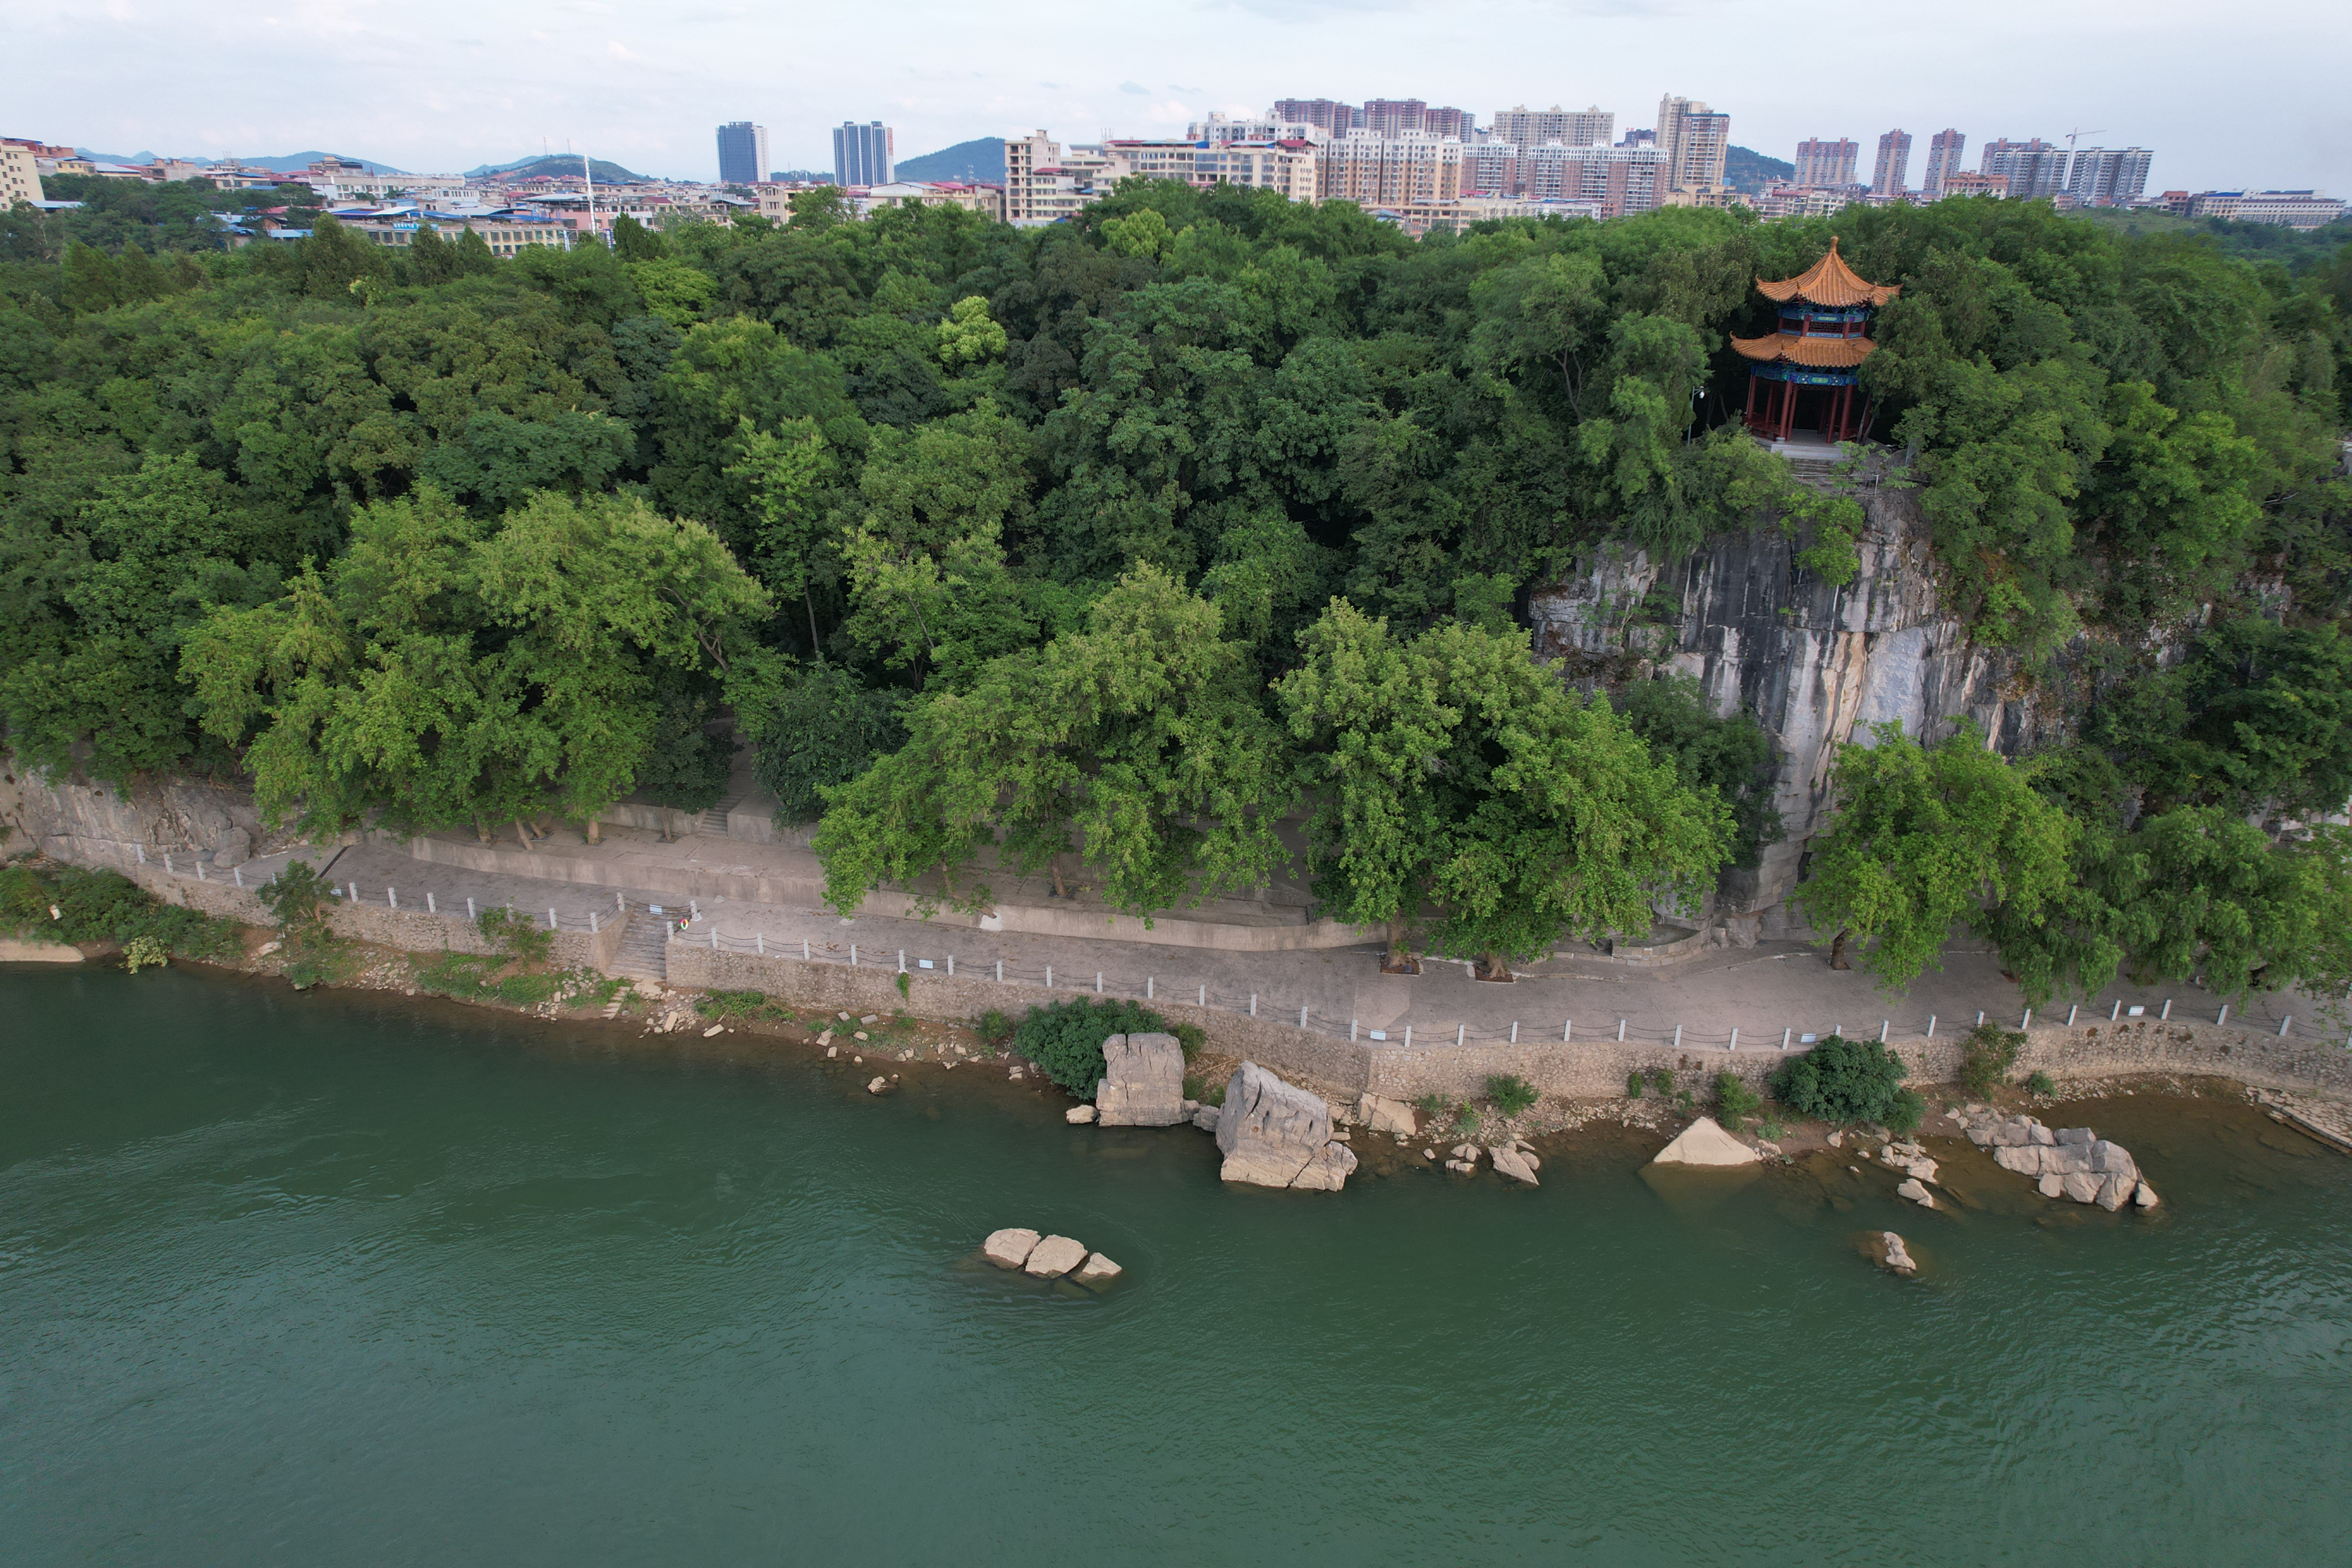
x: 20, y: 173
x: 2293, y: 209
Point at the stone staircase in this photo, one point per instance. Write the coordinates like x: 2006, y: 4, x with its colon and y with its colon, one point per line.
x: 713, y: 822
x: 644, y: 948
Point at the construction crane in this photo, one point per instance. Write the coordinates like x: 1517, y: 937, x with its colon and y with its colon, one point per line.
x: 2072, y: 135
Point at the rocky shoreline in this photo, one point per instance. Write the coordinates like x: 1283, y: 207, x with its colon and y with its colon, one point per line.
x: 1285, y: 1134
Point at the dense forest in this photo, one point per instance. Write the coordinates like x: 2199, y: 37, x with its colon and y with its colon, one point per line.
x: 1115, y: 543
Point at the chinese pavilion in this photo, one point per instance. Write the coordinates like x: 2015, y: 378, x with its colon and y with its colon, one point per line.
x: 1811, y: 365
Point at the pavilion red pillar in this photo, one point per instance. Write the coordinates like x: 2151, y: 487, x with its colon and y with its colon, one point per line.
x: 1750, y: 418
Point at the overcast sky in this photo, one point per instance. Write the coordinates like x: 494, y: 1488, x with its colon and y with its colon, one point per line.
x: 2226, y: 94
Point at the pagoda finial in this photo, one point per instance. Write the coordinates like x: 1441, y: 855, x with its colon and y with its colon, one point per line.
x: 1833, y: 245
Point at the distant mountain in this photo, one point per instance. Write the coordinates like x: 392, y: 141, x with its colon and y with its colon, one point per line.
x: 554, y: 163
x: 286, y: 164
x: 979, y: 159
x: 1745, y: 169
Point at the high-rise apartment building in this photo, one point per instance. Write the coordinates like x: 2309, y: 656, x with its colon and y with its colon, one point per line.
x: 1375, y: 171
x: 1823, y: 164
x: 1393, y: 115
x: 1894, y: 158
x: 1944, y: 150
x: 1044, y: 181
x: 2107, y: 176
x: 2032, y: 168
x: 1221, y: 128
x: 863, y: 154
x: 1446, y: 120
x: 743, y: 153
x: 1335, y: 119
x: 1695, y: 142
x: 1526, y: 127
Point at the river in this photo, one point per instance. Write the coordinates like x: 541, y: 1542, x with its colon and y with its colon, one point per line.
x: 331, y: 1278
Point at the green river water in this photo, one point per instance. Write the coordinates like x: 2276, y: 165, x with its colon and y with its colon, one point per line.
x: 339, y: 1278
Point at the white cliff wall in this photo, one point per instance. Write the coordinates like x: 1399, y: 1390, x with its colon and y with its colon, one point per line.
x: 1816, y: 665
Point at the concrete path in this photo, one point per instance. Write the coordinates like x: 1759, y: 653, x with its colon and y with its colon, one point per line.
x: 1774, y: 990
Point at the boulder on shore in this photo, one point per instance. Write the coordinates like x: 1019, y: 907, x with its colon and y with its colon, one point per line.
x: 1079, y: 1114
x: 1509, y: 1161
x: 1205, y: 1118
x: 1143, y: 1081
x: 1382, y: 1114
x: 1705, y: 1142
x: 1272, y: 1134
x: 1009, y: 1249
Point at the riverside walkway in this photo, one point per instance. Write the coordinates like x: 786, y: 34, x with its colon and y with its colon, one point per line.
x: 1774, y: 993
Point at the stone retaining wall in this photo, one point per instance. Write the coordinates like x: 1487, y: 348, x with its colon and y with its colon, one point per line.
x: 412, y: 931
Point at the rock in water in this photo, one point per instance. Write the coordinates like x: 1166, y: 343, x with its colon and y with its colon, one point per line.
x: 1705, y: 1142
x: 1096, y: 1270
x: 1326, y: 1169
x: 1897, y: 1255
x: 1384, y: 1115
x: 1205, y: 1119
x: 1143, y: 1081
x: 878, y: 1086
x: 1271, y: 1134
x: 1910, y: 1188
x: 1009, y: 1249
x: 1079, y: 1114
x: 2145, y: 1197
x: 1055, y: 1257
x: 1514, y: 1164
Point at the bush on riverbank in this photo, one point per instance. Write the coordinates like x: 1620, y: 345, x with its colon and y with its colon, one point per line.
x: 1735, y: 1102
x: 1066, y: 1038
x: 104, y: 906
x: 1987, y: 1055
x: 1846, y: 1081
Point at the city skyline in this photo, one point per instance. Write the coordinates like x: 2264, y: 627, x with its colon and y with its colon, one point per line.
x: 635, y: 84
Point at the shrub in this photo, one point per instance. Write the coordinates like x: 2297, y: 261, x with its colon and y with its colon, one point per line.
x: 902, y: 985
x: 145, y: 952
x: 2040, y: 1083
x: 1633, y: 1084
x: 1192, y: 1037
x: 515, y: 934
x: 1509, y: 1095
x: 104, y: 906
x: 1066, y: 1038
x: 1987, y: 1055
x: 1662, y: 1080
x: 1735, y: 1102
x: 735, y: 1004
x: 1845, y: 1082
x: 995, y: 1029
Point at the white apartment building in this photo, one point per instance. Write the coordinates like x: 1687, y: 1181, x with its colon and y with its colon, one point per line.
x: 1268, y: 127
x: 1390, y: 171
x: 1525, y: 127
x: 2108, y: 177
x: 2294, y: 209
x: 1695, y: 140
x: 1044, y: 182
x: 1616, y: 181
x: 20, y: 173
x: 1287, y: 166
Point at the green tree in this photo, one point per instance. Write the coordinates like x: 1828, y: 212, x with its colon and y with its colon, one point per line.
x: 1456, y: 771
x: 1138, y: 742
x: 1924, y: 839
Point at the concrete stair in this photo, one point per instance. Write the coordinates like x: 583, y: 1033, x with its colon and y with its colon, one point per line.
x: 713, y: 822
x: 644, y: 948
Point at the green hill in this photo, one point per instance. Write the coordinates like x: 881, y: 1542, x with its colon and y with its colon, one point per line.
x: 1745, y: 169
x: 555, y: 165
x: 982, y: 158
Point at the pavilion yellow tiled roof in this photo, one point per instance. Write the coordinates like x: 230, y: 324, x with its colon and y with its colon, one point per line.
x: 1816, y: 353
x: 1829, y: 282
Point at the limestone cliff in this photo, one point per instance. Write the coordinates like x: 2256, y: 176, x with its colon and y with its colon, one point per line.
x: 1816, y: 664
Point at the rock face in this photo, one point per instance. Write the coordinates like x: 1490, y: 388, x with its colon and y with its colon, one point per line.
x: 1815, y: 662
x: 1055, y: 1257
x: 2065, y: 1162
x: 1705, y: 1142
x: 1009, y: 1249
x: 1274, y: 1134
x: 1143, y: 1081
